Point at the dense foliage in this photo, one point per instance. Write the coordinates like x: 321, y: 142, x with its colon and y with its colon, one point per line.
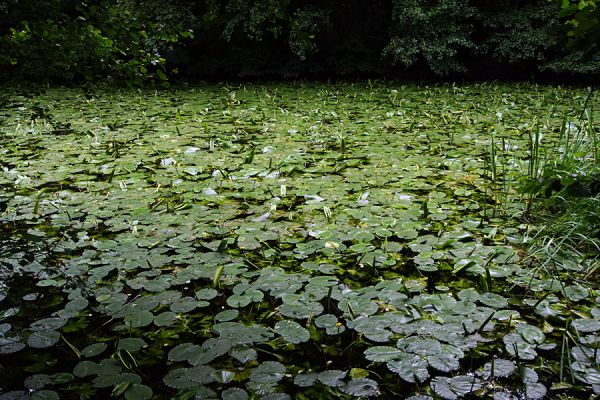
x: 72, y: 40
x: 299, y: 241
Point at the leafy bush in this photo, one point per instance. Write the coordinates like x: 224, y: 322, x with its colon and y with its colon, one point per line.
x: 436, y: 31
x: 521, y: 34
x: 67, y: 41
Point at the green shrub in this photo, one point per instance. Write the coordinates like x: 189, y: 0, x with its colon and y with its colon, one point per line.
x: 438, y: 32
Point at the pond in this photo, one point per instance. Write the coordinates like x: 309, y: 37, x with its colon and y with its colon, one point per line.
x: 276, y: 241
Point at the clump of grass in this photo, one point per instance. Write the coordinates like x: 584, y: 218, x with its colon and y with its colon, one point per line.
x: 563, y: 187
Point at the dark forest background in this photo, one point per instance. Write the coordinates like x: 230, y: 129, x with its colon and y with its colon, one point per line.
x: 70, y: 41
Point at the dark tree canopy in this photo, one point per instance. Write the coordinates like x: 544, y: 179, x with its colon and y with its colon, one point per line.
x: 138, y: 40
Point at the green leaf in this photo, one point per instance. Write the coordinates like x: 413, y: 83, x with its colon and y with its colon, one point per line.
x: 531, y: 334
x: 139, y: 319
x: 268, y: 372
x: 93, y: 350
x: 361, y: 387
x: 234, y: 394
x: 306, y: 379
x: 410, y: 368
x: 43, y: 339
x: 576, y: 292
x: 292, y: 332
x: 332, y: 377
x: 498, y: 368
x: 535, y: 391
x: 453, y: 388
x: 383, y: 353
x: 138, y: 392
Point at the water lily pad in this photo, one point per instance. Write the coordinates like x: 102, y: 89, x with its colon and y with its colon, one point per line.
x: 361, y: 387
x: 498, y: 368
x: 576, y: 292
x: 131, y: 344
x: 184, y: 305
x: 268, y: 372
x: 109, y: 380
x: 43, y: 339
x: 586, y: 325
x: 306, y: 379
x: 332, y: 377
x: 93, y: 350
x: 531, y: 334
x: 410, y: 368
x: 37, y: 381
x: 186, y: 378
x: 244, y: 354
x: 183, y: 352
x: 226, y: 315
x: 516, y: 346
x: 535, y: 391
x: 48, y: 324
x: 383, y: 353
x: 139, y: 319
x: 11, y: 346
x: 453, y: 388
x: 166, y: 318
x: 292, y: 332
x: 138, y: 392
x: 234, y: 394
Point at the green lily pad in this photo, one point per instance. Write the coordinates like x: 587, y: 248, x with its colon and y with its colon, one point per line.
x: 410, y: 368
x: 332, y: 377
x: 93, y: 350
x: 139, y: 319
x: 292, y: 332
x: 453, y: 388
x: 43, y: 339
x: 138, y: 392
x: 234, y: 394
x: 383, y: 353
x: 361, y: 387
x: 268, y: 372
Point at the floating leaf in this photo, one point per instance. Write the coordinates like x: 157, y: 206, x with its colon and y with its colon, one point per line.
x: 382, y: 353
x: 576, y: 292
x: 85, y: 368
x: 332, y: 377
x: 306, y: 379
x: 131, y: 344
x: 183, y: 352
x: 330, y: 323
x: 11, y: 346
x: 535, y: 391
x: 516, y: 346
x: 184, y: 305
x: 586, y: 325
x: 361, y: 387
x: 37, y: 382
x: 138, y: 392
x: 139, y: 319
x: 292, y: 332
x: 43, y: 339
x: 453, y: 388
x: 48, y: 324
x: 410, y: 367
x: 531, y: 334
x: 93, y: 350
x: 166, y: 318
x: 186, y: 378
x: 226, y: 315
x: 498, y: 368
x: 268, y: 372
x: 234, y: 394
